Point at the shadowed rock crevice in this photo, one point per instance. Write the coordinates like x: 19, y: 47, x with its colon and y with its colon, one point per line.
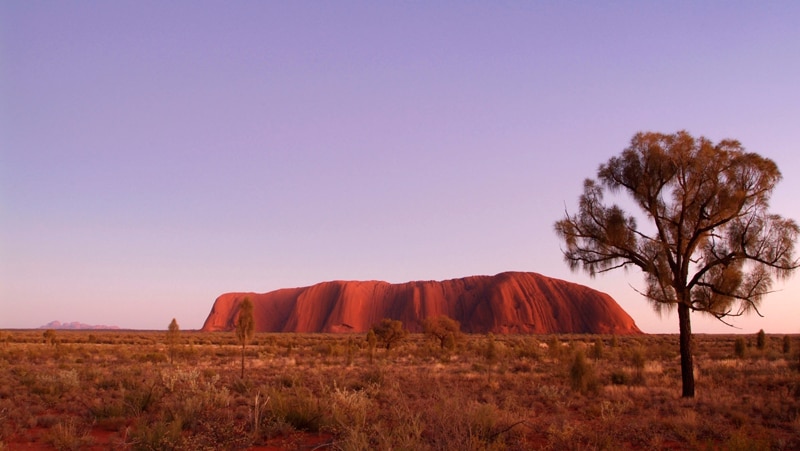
x: 507, y: 303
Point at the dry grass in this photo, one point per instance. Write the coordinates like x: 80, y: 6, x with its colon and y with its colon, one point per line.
x: 117, y: 390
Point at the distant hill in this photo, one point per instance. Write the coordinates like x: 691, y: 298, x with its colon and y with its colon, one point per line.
x: 75, y: 326
x: 507, y: 303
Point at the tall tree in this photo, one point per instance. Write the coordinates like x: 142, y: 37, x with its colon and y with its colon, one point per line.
x: 710, y: 244
x: 245, y: 326
x: 173, y: 337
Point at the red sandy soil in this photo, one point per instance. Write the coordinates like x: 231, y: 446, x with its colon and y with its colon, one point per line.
x: 36, y: 440
x: 298, y: 441
x: 507, y: 303
x: 101, y: 440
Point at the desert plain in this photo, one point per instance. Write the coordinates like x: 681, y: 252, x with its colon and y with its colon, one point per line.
x: 133, y: 390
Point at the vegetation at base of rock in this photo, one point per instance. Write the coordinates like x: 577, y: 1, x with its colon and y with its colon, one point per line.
x: 581, y: 374
x: 245, y: 326
x: 118, y: 390
x: 442, y: 328
x: 389, y: 332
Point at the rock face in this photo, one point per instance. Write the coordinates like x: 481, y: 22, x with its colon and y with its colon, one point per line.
x: 508, y: 303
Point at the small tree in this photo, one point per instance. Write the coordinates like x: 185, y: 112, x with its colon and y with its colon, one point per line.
x: 173, y: 338
x: 50, y: 337
x: 761, y: 340
x: 389, y: 332
x: 450, y: 341
x: 351, y: 351
x: 598, y: 350
x: 787, y: 344
x: 638, y: 360
x: 490, y: 352
x: 372, y: 342
x: 440, y: 328
x: 245, y: 326
x: 739, y: 347
x: 581, y: 374
x: 554, y: 347
x: 711, y: 244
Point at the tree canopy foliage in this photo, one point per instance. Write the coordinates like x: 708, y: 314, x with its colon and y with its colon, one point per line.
x: 442, y: 328
x: 245, y: 326
x: 389, y: 332
x: 173, y: 337
x: 710, y: 245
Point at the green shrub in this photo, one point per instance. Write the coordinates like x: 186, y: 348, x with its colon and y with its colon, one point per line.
x: 152, y: 357
x: 242, y: 386
x: 581, y: 374
x: 70, y: 435
x: 490, y: 353
x: 638, y: 360
x: 442, y: 329
x: 528, y: 348
x: 350, y: 351
x: 217, y: 429
x: 761, y: 340
x: 598, y: 350
x: 141, y: 399
x: 554, y: 347
x: 297, y: 407
x: 389, y: 332
x: 739, y: 347
x: 787, y: 344
x: 50, y: 337
x: 372, y: 342
x: 146, y: 435
x: 450, y: 342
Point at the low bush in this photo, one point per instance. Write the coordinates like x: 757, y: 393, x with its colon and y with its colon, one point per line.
x: 581, y: 374
x: 498, y: 392
x: 739, y: 348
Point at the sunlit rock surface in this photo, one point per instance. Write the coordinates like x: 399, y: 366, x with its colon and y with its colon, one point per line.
x: 507, y: 303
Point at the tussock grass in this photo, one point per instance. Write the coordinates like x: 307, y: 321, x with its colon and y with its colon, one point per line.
x: 484, y: 392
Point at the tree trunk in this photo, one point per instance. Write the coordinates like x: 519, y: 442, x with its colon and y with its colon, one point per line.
x: 687, y: 362
x: 242, y: 361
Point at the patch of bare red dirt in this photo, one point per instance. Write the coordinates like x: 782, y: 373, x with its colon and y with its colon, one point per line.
x: 298, y: 441
x: 35, y: 439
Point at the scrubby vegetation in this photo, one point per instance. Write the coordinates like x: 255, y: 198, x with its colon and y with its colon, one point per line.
x: 118, y: 390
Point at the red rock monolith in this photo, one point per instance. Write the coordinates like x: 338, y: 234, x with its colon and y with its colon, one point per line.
x: 507, y: 303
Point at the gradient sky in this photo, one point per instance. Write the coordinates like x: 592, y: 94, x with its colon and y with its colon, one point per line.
x: 154, y: 155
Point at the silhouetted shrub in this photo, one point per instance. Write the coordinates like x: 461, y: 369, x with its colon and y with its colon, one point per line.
x: 581, y: 374
x: 389, y: 332
x: 620, y: 378
x: 739, y: 348
x: 443, y: 329
x: 598, y: 350
x: 761, y: 340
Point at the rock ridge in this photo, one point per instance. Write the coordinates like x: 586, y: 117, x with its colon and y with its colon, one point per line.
x: 506, y: 303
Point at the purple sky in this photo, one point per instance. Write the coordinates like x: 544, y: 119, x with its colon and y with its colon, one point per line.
x: 154, y: 155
